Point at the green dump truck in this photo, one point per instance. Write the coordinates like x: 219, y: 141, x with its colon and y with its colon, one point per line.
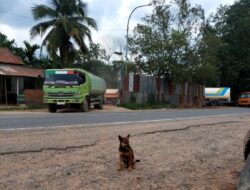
x: 73, y: 88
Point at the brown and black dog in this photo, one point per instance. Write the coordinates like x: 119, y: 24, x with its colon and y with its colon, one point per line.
x: 126, y: 154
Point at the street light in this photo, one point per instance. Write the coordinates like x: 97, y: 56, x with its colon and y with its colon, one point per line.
x: 126, y: 55
x: 114, y: 52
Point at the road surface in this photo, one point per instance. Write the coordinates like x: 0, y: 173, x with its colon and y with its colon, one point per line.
x: 26, y: 120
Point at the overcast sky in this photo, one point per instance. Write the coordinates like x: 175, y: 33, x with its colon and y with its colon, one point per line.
x: 111, y: 16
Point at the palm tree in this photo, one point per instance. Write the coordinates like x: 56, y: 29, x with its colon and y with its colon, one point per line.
x: 68, y: 25
x: 29, y: 52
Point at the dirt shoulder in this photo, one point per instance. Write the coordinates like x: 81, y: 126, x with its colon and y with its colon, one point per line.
x: 192, y: 154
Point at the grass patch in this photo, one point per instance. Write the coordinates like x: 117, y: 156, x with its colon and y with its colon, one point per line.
x: 135, y: 106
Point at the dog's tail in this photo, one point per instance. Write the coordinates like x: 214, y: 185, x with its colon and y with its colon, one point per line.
x: 137, y: 160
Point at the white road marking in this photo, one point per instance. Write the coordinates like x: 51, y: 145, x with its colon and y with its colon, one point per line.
x: 119, y: 123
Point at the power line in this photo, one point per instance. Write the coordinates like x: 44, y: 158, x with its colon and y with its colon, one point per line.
x: 14, y: 14
x: 26, y: 17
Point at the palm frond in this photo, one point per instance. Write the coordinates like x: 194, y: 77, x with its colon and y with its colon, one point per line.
x: 81, y: 8
x: 41, y: 28
x: 91, y: 22
x: 43, y: 11
x: 55, y: 4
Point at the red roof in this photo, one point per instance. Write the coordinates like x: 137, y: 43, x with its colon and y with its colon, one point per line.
x: 9, y: 58
x: 15, y: 70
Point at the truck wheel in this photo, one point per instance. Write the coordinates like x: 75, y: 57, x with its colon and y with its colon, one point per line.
x: 84, y: 107
x: 100, y: 105
x: 52, y: 108
x: 214, y: 103
x: 247, y: 145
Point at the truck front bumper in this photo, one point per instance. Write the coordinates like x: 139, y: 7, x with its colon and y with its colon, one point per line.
x: 63, y: 101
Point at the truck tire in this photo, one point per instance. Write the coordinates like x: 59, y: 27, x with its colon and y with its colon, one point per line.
x: 214, y: 103
x: 52, y: 108
x: 247, y: 145
x: 100, y: 105
x: 84, y: 107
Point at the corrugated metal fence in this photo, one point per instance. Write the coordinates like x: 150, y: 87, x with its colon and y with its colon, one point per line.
x: 141, y: 89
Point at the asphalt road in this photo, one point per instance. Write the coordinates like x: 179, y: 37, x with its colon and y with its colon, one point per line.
x: 25, y: 120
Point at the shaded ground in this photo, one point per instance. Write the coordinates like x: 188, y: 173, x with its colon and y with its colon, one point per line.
x: 179, y: 155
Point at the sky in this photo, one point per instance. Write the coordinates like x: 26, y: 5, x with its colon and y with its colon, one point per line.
x: 111, y: 15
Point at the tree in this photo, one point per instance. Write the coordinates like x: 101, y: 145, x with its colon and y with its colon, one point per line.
x: 68, y: 25
x: 165, y: 45
x: 111, y: 46
x: 11, y: 45
x: 4, y: 42
x: 208, y: 48
x: 29, y: 51
x: 234, y: 55
x: 92, y: 62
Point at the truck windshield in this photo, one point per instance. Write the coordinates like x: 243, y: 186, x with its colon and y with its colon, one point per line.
x: 245, y: 95
x: 68, y: 79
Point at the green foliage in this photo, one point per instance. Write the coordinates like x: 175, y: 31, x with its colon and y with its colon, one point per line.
x: 29, y: 51
x: 166, y: 44
x: 68, y: 25
x: 135, y: 106
x: 208, y: 49
x: 234, y: 55
x: 11, y: 45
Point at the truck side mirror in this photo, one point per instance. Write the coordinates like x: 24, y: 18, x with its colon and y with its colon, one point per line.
x: 80, y: 79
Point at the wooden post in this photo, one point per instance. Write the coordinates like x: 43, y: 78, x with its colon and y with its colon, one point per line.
x: 5, y: 88
x: 17, y: 86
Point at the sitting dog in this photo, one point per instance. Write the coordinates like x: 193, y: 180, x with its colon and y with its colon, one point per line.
x: 126, y: 154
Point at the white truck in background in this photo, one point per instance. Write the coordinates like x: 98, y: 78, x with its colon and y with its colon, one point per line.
x: 217, y: 95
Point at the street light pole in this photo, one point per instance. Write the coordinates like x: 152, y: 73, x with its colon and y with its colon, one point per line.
x: 126, y: 54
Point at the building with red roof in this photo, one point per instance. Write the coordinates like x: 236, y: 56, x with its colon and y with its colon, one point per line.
x: 13, y: 74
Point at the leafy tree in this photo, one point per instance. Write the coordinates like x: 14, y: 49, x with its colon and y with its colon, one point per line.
x: 11, y: 45
x: 208, y: 47
x: 234, y: 55
x: 68, y: 25
x: 4, y: 42
x: 165, y: 45
x: 29, y: 51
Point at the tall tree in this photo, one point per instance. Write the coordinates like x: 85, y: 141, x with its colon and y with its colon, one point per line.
x: 208, y: 49
x: 234, y: 56
x: 68, y: 25
x: 165, y: 45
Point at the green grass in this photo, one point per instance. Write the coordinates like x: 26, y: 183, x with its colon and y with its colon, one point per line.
x: 135, y: 106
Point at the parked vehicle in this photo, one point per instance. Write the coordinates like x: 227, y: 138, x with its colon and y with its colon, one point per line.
x: 73, y: 88
x: 244, y: 99
x: 217, y: 96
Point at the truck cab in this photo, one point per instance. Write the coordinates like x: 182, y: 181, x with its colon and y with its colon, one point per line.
x: 244, y: 99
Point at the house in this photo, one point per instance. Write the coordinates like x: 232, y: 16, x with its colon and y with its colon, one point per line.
x: 15, y: 78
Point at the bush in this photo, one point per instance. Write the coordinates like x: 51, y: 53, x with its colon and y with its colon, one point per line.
x: 156, y: 105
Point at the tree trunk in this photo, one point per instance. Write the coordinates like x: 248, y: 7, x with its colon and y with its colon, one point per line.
x: 63, y: 57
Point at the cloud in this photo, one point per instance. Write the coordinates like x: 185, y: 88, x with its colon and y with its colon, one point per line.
x: 18, y: 34
x: 111, y: 16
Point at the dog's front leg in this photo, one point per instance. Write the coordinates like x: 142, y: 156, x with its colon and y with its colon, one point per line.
x: 120, y: 165
x: 130, y: 163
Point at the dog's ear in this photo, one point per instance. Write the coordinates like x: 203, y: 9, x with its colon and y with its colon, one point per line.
x: 120, y: 138
x: 128, y: 135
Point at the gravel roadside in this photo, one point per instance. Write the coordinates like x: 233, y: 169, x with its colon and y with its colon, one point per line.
x: 194, y: 154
